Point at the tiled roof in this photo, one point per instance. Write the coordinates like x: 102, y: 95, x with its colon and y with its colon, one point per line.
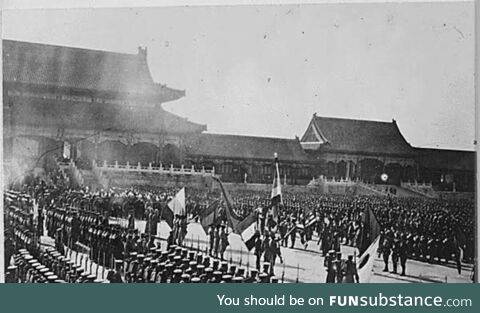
x: 247, y: 147
x: 84, y: 69
x: 446, y: 159
x: 94, y: 116
x: 361, y: 136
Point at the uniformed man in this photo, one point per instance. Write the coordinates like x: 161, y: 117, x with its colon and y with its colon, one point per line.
x: 330, y: 268
x: 350, y: 274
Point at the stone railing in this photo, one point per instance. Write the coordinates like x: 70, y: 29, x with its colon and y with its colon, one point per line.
x: 331, y: 180
x: 139, y: 168
x: 425, y: 189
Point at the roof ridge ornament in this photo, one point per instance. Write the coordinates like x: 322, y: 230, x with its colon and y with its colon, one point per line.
x: 142, y: 51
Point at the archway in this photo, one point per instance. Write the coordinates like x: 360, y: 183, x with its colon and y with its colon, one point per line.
x: 111, y: 151
x: 171, y: 155
x: 371, y: 170
x: 143, y: 152
x: 341, y: 169
x: 330, y: 169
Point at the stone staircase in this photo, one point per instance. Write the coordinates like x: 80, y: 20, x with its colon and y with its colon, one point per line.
x: 89, y: 179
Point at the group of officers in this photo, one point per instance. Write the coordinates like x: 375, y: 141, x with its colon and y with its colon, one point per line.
x: 174, y: 265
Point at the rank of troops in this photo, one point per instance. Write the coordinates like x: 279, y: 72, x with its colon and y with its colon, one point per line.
x: 424, y: 229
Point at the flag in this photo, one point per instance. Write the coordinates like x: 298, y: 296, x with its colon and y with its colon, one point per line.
x: 209, y: 215
x: 311, y: 219
x: 177, y: 204
x: 250, y: 243
x: 366, y: 260
x: 276, y: 197
x: 166, y: 215
x: 370, y: 230
x: 298, y: 227
x: 236, y: 222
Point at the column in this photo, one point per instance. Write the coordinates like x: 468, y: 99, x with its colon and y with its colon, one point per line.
x: 347, y: 174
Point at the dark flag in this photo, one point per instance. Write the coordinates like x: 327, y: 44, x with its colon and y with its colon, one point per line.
x: 236, y: 222
x: 209, y: 215
x: 250, y: 243
x: 166, y: 214
x: 370, y: 230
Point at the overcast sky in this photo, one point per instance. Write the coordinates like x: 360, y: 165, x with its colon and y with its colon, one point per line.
x: 264, y: 70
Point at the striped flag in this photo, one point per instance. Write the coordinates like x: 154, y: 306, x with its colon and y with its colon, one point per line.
x: 276, y: 197
x: 311, y: 219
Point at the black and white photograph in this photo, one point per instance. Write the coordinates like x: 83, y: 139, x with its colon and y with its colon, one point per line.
x: 259, y: 143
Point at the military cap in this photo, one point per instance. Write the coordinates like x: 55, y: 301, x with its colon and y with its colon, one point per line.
x: 195, y: 280
x: 12, y: 268
x: 177, y: 271
x: 52, y: 278
x: 331, y: 252
x: 28, y: 257
x: 133, y: 254
x: 140, y: 256
x: 237, y: 279
x: 185, y: 277
x: 147, y: 259
x: 217, y: 274
x: 227, y: 278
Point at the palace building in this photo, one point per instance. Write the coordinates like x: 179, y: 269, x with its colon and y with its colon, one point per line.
x: 96, y: 105
x: 88, y: 105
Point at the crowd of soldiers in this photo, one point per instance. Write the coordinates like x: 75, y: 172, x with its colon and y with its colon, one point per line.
x: 137, y: 259
x: 424, y: 229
